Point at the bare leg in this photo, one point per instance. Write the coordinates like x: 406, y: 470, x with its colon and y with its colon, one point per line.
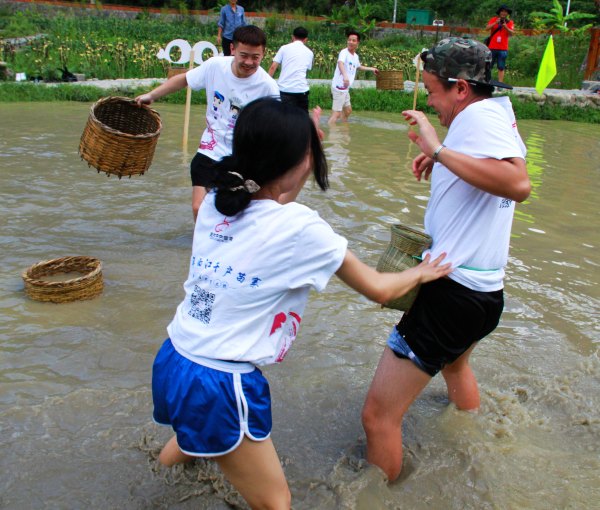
x: 500, y: 75
x: 334, y: 117
x: 198, y: 194
x: 395, y: 386
x: 346, y: 113
x: 461, y: 382
x: 171, y: 454
x: 254, y: 470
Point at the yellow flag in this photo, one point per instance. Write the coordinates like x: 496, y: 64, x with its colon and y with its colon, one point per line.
x: 547, y: 70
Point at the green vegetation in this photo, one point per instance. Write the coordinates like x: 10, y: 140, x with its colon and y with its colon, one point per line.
x: 454, y: 13
x: 362, y: 100
x: 109, y: 47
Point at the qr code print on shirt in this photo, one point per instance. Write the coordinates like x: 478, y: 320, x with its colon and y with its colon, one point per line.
x: 202, y: 303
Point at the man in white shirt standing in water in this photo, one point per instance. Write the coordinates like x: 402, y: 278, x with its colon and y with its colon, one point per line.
x: 230, y: 84
x: 345, y: 71
x: 295, y: 60
x: 477, y: 175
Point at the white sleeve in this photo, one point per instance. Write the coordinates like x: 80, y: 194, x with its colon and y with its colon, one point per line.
x: 279, y: 56
x: 197, y: 77
x: 318, y: 254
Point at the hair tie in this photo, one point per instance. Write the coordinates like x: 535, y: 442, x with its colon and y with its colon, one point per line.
x: 249, y: 185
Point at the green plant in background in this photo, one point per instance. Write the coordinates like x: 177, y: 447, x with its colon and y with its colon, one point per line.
x: 112, y: 47
x: 556, y: 19
x: 359, y: 18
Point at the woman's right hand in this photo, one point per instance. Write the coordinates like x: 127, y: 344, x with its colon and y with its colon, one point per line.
x: 430, y: 270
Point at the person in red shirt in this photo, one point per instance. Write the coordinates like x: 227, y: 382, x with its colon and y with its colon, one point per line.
x: 501, y: 28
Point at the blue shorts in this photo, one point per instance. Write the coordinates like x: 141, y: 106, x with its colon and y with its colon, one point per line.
x: 499, y: 58
x: 210, y: 407
x: 401, y: 349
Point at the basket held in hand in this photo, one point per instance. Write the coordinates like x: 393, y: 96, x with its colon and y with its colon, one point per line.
x: 87, y: 286
x: 406, y: 244
x: 120, y: 136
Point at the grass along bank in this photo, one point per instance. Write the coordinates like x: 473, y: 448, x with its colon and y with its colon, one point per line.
x: 110, y: 47
x: 363, y: 99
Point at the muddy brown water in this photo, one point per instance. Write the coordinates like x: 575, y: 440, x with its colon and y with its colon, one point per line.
x: 75, y: 403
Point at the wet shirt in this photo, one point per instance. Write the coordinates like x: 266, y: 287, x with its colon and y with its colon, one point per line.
x: 472, y: 226
x: 249, y: 280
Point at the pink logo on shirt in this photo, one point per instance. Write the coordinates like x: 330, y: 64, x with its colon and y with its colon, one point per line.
x: 219, y: 227
x: 280, y: 321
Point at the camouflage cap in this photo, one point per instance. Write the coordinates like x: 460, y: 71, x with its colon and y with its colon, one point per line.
x: 461, y: 58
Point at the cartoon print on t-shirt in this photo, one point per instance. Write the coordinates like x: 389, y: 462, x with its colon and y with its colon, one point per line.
x: 218, y: 100
x: 234, y: 111
x: 208, y: 144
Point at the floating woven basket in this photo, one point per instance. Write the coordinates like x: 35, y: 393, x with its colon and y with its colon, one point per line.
x: 120, y: 136
x: 88, y: 286
x: 406, y: 244
x: 390, y: 80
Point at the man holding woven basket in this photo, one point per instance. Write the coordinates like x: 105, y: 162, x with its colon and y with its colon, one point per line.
x: 477, y: 175
x: 230, y: 84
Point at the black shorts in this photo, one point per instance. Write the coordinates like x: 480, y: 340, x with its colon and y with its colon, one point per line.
x: 446, y: 319
x: 202, y: 170
x: 299, y: 99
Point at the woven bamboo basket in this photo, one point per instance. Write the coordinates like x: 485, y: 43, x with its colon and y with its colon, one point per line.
x: 390, y: 80
x: 120, y: 137
x: 87, y: 286
x: 174, y: 71
x: 406, y: 244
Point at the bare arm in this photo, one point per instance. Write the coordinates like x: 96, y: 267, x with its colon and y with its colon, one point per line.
x: 173, y: 84
x: 501, y: 177
x: 506, y: 178
x: 273, y: 68
x: 383, y: 287
x: 366, y: 68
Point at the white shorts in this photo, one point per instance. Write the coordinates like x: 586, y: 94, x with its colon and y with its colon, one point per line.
x: 341, y: 99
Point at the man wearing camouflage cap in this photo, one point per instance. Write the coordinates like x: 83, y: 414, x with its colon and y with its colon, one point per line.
x: 477, y: 175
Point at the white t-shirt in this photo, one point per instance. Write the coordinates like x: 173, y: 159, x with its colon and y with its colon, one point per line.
x: 351, y: 63
x: 470, y: 225
x: 226, y: 95
x: 249, y: 280
x: 295, y: 60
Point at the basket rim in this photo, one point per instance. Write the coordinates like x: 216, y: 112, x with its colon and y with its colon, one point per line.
x: 109, y: 129
x: 87, y: 276
x: 412, y: 229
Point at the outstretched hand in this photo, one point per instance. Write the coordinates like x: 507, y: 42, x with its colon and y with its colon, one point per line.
x: 316, y: 118
x: 433, y: 269
x: 427, y: 139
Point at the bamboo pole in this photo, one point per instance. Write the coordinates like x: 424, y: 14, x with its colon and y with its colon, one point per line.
x: 416, y: 91
x: 188, y: 102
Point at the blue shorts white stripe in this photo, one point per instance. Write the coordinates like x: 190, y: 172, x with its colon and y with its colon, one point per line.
x: 212, y: 407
